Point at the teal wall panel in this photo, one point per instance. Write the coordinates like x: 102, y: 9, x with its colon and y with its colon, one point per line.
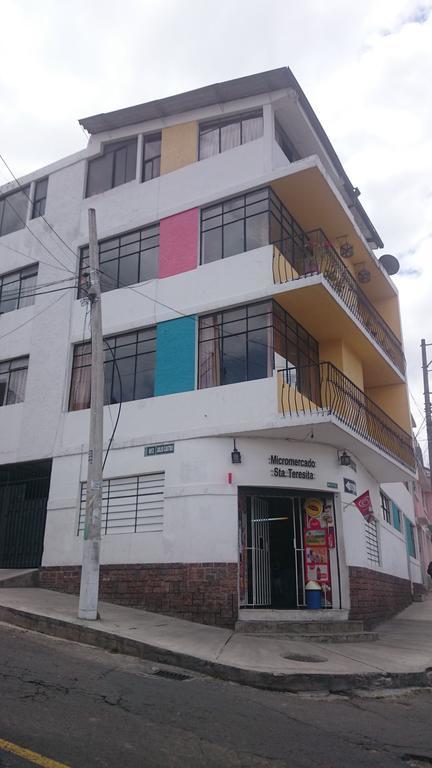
x: 175, y: 356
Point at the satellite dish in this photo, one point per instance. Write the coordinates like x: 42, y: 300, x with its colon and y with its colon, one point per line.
x: 390, y: 263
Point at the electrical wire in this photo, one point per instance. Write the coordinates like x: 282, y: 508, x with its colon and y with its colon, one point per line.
x: 120, y: 405
x: 12, y: 296
x: 31, y: 258
x: 33, y: 317
x: 23, y: 189
x: 18, y: 215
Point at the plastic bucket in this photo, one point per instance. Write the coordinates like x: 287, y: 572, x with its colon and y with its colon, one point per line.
x: 313, y: 595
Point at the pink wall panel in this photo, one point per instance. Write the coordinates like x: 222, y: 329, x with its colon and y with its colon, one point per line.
x: 178, y: 250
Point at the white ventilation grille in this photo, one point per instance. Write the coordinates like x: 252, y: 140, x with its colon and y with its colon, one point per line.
x: 372, y: 544
x: 129, y: 504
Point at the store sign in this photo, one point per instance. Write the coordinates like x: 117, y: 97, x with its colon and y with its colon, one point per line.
x: 350, y: 486
x: 284, y: 466
x: 158, y: 450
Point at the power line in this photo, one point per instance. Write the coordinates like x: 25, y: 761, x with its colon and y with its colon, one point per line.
x: 36, y: 291
x: 31, y: 258
x: 37, y: 238
x: 23, y: 189
x: 30, y: 320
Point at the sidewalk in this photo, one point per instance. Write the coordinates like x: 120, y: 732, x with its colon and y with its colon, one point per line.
x: 401, y: 657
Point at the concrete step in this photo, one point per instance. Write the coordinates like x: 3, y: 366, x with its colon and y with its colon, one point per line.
x: 304, y: 628
x: 349, y: 637
x: 18, y: 577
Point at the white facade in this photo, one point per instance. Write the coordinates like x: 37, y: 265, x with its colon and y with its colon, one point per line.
x: 200, y: 510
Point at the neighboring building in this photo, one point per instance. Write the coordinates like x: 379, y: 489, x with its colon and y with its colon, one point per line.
x: 422, y: 494
x: 249, y: 319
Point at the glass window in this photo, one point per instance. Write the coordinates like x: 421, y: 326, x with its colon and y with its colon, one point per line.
x: 39, y: 199
x: 151, y: 156
x: 124, y: 260
x: 246, y: 343
x: 410, y: 538
x: 17, y: 289
x: 250, y: 221
x: 13, y: 211
x: 128, y: 369
x: 285, y: 144
x: 386, y: 507
x: 228, y: 133
x: 13, y: 377
x: 115, y: 166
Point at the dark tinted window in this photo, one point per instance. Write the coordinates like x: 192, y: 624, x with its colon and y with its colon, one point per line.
x: 125, y: 259
x: 246, y: 343
x: 39, y: 198
x: 130, y: 377
x: 13, y: 211
x: 17, y: 289
x: 115, y: 166
x: 151, y: 157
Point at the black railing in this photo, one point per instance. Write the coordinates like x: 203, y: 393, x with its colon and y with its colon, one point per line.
x: 315, y: 256
x: 324, y: 389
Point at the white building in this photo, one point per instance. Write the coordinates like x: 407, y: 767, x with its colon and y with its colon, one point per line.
x: 246, y: 312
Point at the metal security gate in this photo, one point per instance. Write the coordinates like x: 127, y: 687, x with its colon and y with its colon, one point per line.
x: 24, y: 492
x: 260, y: 551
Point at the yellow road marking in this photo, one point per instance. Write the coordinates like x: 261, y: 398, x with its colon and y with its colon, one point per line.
x: 31, y: 757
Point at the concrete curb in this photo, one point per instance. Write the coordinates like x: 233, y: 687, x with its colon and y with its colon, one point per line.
x: 290, y: 683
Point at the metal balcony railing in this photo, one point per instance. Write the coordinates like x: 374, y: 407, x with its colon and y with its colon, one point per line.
x: 323, y: 389
x: 316, y: 255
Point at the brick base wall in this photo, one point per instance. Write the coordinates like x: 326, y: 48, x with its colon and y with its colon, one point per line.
x: 419, y: 590
x: 204, y: 592
x: 377, y: 596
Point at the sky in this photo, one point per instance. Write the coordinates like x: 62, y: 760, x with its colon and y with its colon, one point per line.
x: 366, y: 68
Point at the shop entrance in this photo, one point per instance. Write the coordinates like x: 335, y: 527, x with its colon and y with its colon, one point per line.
x: 280, y: 549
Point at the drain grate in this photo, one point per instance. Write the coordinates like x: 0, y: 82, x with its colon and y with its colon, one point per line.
x: 168, y: 675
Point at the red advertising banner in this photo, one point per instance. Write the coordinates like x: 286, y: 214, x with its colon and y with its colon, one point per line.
x: 364, y: 505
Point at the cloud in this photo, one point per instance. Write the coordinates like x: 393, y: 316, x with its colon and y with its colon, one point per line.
x: 366, y: 68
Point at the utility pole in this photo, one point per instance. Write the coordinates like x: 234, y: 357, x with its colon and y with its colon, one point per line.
x: 427, y: 400
x: 88, y: 602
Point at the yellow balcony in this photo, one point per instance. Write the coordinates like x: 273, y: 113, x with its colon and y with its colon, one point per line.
x: 316, y: 256
x: 323, y: 390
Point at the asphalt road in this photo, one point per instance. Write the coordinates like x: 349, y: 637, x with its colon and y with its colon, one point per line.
x: 86, y: 708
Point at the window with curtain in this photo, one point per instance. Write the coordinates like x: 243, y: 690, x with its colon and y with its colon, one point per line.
x: 17, y: 289
x: 151, y: 156
x: 129, y: 367
x: 115, y: 166
x: 125, y: 259
x: 13, y: 211
x: 246, y: 343
x: 13, y: 378
x: 220, y: 135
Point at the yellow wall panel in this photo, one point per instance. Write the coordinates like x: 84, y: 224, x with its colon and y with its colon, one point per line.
x: 352, y: 366
x: 393, y: 399
x: 389, y: 311
x: 179, y: 146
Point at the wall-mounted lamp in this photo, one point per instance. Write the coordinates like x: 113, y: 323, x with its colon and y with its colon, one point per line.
x: 235, y: 454
x: 344, y: 459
